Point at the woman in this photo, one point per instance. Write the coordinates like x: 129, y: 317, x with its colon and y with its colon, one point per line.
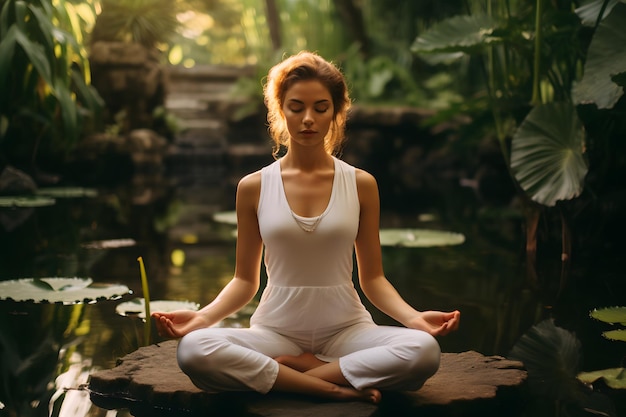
x: 309, y: 210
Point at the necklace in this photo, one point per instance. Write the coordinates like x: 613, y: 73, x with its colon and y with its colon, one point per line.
x: 308, y: 224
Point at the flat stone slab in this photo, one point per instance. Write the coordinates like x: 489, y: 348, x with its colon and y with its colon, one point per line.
x: 149, y: 383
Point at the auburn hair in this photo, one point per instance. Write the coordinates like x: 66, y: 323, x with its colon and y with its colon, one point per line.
x: 305, y: 66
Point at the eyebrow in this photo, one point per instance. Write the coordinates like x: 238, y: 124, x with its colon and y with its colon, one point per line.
x: 317, y: 102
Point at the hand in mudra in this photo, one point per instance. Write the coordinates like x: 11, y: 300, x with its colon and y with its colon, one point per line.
x: 178, y: 323
x: 437, y: 323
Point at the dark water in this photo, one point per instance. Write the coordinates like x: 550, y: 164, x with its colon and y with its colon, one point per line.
x: 47, y: 349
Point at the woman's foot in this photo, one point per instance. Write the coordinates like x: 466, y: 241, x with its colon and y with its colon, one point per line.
x: 301, y: 363
x: 368, y: 395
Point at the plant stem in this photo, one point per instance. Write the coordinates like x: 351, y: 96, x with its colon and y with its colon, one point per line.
x: 146, y: 297
x: 536, y: 98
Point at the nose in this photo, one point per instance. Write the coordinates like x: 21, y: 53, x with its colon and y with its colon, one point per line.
x: 307, y: 119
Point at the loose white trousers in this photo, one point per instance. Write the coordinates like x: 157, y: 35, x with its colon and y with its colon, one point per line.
x: 384, y: 357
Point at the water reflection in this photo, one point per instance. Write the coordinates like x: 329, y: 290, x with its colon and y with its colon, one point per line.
x: 50, y: 349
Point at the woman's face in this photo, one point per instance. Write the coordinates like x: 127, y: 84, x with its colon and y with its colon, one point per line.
x: 308, y: 109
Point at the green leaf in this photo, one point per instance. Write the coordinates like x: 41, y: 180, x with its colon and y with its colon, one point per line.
x: 7, y: 49
x: 459, y: 33
x: 610, y: 315
x: 59, y: 290
x: 605, y: 59
x: 68, y: 111
x: 616, y: 335
x: 613, y: 377
x: 419, y: 238
x: 136, y: 307
x: 589, y: 12
x: 37, y: 57
x: 551, y: 355
x: 67, y: 192
x: 46, y: 30
x: 87, y: 94
x: 26, y: 201
x: 547, y: 153
x: 5, y: 25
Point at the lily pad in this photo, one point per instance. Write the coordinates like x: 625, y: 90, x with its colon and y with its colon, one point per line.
x: 613, y: 377
x: 67, y: 192
x: 617, y: 335
x: 60, y: 290
x: 227, y: 217
x: 136, y: 307
x: 26, y: 201
x: 611, y: 315
x: 419, y: 238
x: 110, y: 244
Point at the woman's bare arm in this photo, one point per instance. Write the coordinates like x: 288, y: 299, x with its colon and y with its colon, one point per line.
x: 245, y: 282
x: 372, y: 278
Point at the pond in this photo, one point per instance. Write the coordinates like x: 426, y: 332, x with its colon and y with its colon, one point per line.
x: 48, y: 351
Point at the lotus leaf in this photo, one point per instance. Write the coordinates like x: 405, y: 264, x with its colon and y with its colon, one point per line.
x: 110, y: 244
x: 617, y: 335
x: 610, y: 315
x: 26, y: 201
x: 227, y: 217
x: 136, y: 307
x: 419, y: 238
x: 613, y: 377
x: 60, y: 290
x: 67, y: 192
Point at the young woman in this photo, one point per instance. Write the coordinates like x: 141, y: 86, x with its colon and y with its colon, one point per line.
x: 310, y: 211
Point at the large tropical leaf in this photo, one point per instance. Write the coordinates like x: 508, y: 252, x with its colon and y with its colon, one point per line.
x: 457, y: 34
x: 590, y: 11
x: 551, y: 355
x: 547, y: 153
x: 606, y: 58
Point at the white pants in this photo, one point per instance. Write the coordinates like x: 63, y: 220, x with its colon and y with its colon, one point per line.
x: 384, y: 357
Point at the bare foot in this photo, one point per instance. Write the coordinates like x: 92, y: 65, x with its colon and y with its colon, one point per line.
x: 368, y: 395
x: 301, y: 363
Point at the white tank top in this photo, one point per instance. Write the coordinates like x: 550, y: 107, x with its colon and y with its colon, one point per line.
x: 309, y: 273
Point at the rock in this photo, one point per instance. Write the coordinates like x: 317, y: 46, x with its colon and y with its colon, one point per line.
x: 14, y: 181
x: 149, y: 382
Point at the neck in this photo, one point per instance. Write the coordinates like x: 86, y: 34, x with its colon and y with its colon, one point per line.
x: 307, y: 159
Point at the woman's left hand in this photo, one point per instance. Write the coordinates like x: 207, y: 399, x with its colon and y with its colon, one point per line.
x: 437, y: 323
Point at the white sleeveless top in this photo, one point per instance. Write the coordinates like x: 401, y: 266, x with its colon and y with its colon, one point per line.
x: 309, y: 286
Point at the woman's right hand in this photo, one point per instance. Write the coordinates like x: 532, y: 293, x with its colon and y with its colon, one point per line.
x: 178, y: 323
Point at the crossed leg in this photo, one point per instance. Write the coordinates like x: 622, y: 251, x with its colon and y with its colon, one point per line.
x: 325, y: 381
x: 228, y: 360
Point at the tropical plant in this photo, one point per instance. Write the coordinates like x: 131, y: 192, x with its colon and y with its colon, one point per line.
x: 47, y: 102
x: 552, y: 355
x: 147, y: 22
x: 551, y: 72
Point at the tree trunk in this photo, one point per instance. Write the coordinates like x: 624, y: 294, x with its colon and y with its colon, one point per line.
x: 352, y: 16
x: 273, y: 21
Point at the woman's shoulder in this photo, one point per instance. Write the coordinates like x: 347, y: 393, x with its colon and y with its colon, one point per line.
x: 250, y: 183
x: 364, y: 178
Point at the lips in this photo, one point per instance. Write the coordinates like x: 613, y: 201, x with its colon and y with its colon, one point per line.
x: 308, y: 132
